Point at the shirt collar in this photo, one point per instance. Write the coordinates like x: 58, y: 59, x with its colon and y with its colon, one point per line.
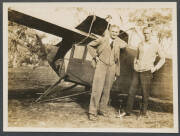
x: 110, y: 40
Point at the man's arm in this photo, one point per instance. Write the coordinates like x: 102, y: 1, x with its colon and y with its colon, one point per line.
x: 161, y: 61
x: 123, y: 44
x: 136, y: 59
x: 92, y: 47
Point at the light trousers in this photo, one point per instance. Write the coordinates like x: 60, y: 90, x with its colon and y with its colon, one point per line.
x: 104, y: 77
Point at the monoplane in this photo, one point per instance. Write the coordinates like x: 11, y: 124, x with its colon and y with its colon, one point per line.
x: 79, y: 69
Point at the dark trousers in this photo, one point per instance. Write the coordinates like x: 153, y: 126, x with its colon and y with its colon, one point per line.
x: 144, y: 80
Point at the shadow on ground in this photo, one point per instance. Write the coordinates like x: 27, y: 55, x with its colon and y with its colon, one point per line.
x: 117, y: 100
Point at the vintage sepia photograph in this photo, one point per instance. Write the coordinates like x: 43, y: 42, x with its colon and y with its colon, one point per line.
x: 90, y: 67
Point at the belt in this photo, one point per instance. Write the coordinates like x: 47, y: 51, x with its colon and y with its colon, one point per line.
x: 142, y: 70
x: 106, y: 63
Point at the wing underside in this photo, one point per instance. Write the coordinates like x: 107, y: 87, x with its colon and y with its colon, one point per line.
x: 74, y: 36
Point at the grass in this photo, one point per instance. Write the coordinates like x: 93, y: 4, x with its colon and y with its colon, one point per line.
x: 72, y: 113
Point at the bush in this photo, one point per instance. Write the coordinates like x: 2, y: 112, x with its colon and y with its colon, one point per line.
x: 24, y: 46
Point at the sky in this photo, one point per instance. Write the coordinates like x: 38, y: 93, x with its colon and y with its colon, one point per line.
x: 70, y: 15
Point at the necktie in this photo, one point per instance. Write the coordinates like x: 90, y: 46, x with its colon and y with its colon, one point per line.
x: 111, y: 45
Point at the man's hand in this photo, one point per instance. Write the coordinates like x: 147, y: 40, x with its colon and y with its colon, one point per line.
x: 153, y: 69
x: 97, y: 59
x: 136, y: 61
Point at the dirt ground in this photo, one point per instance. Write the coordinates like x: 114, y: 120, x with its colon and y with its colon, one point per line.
x: 72, y: 112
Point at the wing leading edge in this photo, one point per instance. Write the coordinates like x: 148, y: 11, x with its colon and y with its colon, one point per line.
x: 73, y: 35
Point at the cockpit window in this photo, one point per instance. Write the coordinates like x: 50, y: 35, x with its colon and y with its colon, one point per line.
x: 78, y: 52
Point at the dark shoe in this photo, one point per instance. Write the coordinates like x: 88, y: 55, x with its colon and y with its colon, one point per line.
x: 103, y: 114
x: 123, y: 114
x: 92, y: 117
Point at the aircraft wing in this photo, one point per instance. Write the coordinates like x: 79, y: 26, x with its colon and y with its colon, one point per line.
x: 99, y: 26
x: 73, y: 35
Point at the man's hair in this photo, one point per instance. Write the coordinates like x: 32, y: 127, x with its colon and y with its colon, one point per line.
x: 114, y: 26
x: 147, y: 28
x: 108, y: 16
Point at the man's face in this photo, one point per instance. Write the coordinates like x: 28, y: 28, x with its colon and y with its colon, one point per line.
x: 114, y: 32
x: 147, y: 34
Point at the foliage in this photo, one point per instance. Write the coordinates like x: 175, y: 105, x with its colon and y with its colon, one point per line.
x: 24, y: 46
x: 160, y: 19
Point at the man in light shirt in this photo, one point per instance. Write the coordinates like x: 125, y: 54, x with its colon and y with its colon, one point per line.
x: 144, y: 68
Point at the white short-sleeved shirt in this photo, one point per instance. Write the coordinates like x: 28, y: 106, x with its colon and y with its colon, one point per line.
x: 147, y: 55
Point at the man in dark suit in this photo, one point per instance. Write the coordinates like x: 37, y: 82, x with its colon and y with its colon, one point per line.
x: 106, y: 53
